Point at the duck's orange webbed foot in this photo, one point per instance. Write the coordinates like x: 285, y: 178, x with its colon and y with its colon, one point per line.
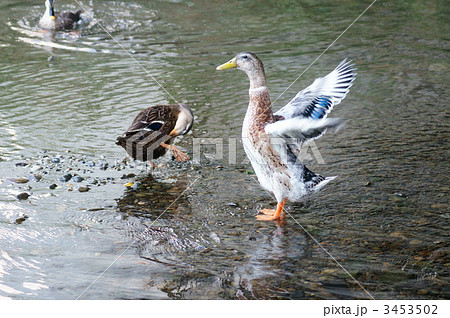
x: 177, y: 153
x: 272, y: 215
x: 268, y: 215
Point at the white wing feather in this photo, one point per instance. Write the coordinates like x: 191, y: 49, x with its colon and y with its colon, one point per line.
x: 318, y: 99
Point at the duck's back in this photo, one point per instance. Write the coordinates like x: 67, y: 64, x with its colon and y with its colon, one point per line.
x: 66, y: 20
x: 148, y: 130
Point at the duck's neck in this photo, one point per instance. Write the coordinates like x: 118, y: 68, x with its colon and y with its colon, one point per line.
x: 47, y: 20
x: 257, y: 78
x: 259, y: 111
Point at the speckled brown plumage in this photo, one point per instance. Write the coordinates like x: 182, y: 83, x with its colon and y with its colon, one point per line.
x: 149, y: 129
x: 261, y: 114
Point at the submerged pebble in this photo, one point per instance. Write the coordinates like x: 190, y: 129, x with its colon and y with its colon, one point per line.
x: 34, y: 177
x: 53, y: 186
x: 21, y: 219
x: 20, y: 180
x: 127, y: 176
x: 66, y: 177
x: 422, y: 292
x: 77, y: 178
x: 84, y: 189
x: 90, y: 164
x: 22, y: 196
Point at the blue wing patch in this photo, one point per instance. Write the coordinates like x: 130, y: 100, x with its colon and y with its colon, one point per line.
x: 319, y: 107
x: 156, y: 125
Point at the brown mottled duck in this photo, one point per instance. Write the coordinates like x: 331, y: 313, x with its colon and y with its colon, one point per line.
x: 154, y: 129
x: 272, y: 141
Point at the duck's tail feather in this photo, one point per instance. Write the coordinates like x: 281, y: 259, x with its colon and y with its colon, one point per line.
x: 315, y: 182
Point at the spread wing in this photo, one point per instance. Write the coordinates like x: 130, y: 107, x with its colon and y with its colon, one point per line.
x: 318, y: 99
x: 304, y: 118
x: 301, y: 129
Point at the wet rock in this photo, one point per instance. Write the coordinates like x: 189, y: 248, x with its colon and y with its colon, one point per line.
x: 21, y: 219
x: 423, y: 292
x: 22, y: 196
x: 398, y: 235
x: 400, y: 195
x: 368, y: 184
x: 20, y: 180
x: 104, y: 166
x: 53, y: 186
x: 36, y: 169
x: 77, y: 178
x: 415, y: 242
x: 65, y: 177
x: 55, y: 160
x: 329, y: 270
x: 232, y: 204
x: 90, y: 164
x: 21, y: 164
x: 84, y: 189
x: 127, y: 176
x: 214, y: 237
x: 34, y: 177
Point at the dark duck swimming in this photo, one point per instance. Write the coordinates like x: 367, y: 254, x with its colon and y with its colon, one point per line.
x: 58, y: 21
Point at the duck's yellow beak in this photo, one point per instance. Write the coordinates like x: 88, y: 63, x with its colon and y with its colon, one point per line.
x: 174, y: 133
x: 230, y: 64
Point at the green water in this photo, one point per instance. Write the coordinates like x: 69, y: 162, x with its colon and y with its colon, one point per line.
x: 385, y: 219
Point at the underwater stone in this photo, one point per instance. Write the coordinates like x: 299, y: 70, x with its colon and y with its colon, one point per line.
x: 66, y: 177
x: 20, y: 180
x: 84, y: 189
x: 22, y: 196
x: 77, y: 178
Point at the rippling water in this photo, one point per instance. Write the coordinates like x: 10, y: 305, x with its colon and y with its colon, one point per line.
x: 66, y: 97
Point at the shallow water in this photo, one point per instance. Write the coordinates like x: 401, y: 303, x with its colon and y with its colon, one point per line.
x: 188, y: 230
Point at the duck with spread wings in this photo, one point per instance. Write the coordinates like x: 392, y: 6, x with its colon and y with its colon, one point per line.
x: 272, y: 141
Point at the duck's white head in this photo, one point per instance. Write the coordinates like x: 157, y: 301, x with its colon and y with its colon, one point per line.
x: 250, y: 64
x: 184, y: 122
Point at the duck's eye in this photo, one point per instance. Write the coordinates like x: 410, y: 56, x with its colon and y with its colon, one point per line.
x: 245, y: 56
